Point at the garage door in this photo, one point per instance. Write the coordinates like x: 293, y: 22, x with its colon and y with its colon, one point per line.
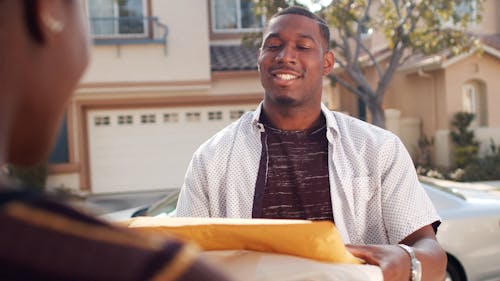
x: 150, y: 149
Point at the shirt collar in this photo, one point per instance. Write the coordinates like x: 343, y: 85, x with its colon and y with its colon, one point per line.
x: 332, y: 128
x: 331, y: 122
x: 256, y: 125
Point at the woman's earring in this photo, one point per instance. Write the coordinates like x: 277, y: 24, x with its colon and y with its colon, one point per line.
x: 53, y: 24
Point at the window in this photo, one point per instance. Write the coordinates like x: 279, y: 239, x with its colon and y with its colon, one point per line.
x: 171, y: 117
x: 117, y: 18
x: 215, y: 115
x: 148, y: 119
x: 462, y: 8
x: 236, y: 114
x: 474, y: 100
x: 193, y: 116
x: 469, y: 98
x: 366, y: 29
x: 235, y: 16
x: 101, y: 120
x: 60, y: 152
x: 466, y: 8
x: 125, y: 120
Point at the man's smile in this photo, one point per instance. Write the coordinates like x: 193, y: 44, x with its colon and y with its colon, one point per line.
x: 285, y: 77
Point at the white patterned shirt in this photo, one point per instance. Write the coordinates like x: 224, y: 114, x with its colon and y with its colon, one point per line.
x: 375, y: 192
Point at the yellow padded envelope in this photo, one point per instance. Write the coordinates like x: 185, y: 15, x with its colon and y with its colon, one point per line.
x: 315, y: 240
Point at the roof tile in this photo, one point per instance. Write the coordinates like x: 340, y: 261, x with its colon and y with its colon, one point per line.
x: 233, y: 58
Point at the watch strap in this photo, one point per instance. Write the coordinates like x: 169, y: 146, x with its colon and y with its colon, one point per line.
x: 416, y: 267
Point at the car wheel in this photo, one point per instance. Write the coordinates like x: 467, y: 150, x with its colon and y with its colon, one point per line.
x: 454, y: 271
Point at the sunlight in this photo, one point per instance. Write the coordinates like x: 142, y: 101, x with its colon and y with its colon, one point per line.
x: 315, y: 5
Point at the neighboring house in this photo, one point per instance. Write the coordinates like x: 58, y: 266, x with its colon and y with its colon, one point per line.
x: 166, y: 75
x: 428, y: 91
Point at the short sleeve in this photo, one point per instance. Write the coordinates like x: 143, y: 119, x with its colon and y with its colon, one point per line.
x: 405, y: 204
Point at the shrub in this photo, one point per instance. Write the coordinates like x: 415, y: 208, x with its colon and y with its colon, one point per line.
x: 466, y: 147
x: 469, y: 166
x: 29, y: 177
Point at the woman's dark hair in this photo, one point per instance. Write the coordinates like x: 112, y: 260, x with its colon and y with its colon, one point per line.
x: 30, y: 8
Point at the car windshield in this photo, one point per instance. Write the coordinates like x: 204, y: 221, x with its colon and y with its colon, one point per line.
x: 164, y: 207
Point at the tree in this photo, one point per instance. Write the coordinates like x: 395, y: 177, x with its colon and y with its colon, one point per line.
x: 410, y: 27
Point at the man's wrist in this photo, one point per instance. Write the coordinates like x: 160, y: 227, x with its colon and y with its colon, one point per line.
x: 416, y: 266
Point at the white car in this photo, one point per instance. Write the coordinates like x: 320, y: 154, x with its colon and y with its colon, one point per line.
x: 469, y: 233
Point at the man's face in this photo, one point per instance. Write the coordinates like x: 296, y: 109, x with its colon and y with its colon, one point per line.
x: 292, y: 61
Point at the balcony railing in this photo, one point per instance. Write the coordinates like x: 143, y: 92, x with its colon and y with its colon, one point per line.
x: 128, y: 30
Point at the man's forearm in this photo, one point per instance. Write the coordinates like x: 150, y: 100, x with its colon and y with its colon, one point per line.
x: 430, y: 254
x: 432, y: 258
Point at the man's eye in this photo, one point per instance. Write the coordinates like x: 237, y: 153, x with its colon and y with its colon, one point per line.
x: 273, y: 46
x: 303, y: 47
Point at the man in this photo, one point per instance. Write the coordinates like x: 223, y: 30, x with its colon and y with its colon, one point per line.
x: 293, y: 158
x: 43, y: 52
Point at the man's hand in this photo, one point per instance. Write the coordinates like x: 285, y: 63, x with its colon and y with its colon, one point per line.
x: 394, y: 261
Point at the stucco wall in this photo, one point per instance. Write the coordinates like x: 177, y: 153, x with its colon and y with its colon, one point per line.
x: 489, y: 23
x: 236, y: 84
x: 475, y: 68
x: 418, y: 96
x: 187, y: 55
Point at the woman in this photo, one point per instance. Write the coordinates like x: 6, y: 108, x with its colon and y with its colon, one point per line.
x: 43, y: 53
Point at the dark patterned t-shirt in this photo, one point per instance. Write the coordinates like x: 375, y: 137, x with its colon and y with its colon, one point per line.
x: 293, y: 182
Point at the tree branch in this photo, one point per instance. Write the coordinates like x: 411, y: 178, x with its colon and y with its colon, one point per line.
x: 348, y: 86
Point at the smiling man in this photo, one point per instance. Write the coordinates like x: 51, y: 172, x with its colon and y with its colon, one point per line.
x: 293, y: 158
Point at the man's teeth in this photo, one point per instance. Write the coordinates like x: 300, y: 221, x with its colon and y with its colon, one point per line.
x: 286, y: 76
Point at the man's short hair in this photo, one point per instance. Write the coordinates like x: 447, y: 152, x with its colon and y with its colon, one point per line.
x: 296, y: 10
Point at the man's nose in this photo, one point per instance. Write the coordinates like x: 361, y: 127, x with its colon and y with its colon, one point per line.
x: 287, y: 54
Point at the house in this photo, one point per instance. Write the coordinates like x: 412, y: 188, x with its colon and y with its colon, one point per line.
x: 166, y: 75
x: 428, y: 90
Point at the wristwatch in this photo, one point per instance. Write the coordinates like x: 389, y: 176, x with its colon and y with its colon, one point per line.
x: 416, y: 266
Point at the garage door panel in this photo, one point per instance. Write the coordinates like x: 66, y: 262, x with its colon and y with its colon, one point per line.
x: 149, y: 149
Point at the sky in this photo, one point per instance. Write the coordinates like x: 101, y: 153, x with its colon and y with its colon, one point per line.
x: 315, y: 6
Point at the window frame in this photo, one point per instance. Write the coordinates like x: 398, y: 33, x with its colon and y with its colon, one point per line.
x: 474, y: 92
x: 116, y: 34
x: 238, y: 29
x: 72, y: 166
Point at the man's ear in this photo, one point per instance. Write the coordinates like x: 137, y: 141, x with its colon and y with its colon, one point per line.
x: 328, y: 62
x: 258, y: 59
